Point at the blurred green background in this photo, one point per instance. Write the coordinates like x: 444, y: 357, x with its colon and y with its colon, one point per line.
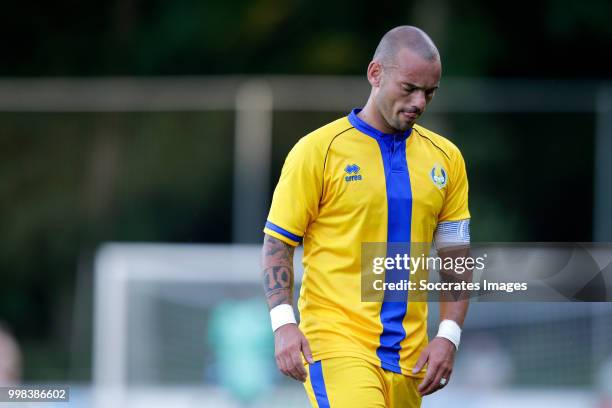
x: 69, y: 181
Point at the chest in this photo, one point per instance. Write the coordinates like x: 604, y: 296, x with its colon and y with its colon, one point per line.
x: 367, y: 179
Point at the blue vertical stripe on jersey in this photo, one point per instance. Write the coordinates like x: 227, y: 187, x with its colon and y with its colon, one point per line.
x: 318, y: 384
x: 399, y: 214
x: 399, y: 224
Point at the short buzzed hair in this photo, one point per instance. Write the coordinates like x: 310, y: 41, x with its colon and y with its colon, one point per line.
x: 409, y: 37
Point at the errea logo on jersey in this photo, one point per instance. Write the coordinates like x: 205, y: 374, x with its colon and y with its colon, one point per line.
x: 352, y: 171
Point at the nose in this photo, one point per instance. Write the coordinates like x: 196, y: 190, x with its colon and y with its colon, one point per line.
x: 419, y: 100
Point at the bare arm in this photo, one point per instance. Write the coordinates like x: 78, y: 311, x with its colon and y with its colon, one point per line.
x: 289, y: 342
x: 440, y: 353
x: 454, y: 304
x: 277, y: 262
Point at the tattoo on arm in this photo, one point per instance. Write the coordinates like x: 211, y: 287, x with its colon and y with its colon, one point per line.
x: 277, y: 262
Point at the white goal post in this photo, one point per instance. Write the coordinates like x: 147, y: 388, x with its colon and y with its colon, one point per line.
x: 121, y: 266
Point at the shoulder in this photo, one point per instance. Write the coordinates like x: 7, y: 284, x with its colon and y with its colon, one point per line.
x: 318, y: 141
x: 450, y: 150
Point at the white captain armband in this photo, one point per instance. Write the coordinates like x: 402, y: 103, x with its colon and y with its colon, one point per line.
x: 452, y: 233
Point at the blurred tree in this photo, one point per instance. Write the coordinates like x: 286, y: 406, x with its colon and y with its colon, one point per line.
x: 132, y: 37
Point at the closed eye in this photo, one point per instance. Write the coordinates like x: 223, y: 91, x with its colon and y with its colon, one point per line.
x: 410, y: 89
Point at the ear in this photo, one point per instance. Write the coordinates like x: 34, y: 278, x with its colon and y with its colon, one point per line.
x: 374, y: 74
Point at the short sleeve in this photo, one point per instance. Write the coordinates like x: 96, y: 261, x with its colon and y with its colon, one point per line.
x: 456, y: 202
x: 296, y: 197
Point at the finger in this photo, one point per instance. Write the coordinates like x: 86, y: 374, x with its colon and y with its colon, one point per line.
x: 429, y: 376
x: 421, y: 361
x: 282, y: 364
x: 435, y: 384
x: 298, y: 365
x: 306, y: 351
x: 279, y: 363
x: 294, y: 369
x: 287, y: 364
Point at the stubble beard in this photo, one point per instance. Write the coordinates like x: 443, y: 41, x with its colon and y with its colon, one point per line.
x: 392, y: 119
x: 396, y: 123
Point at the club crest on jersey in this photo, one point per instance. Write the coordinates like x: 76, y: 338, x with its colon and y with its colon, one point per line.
x: 438, y: 176
x: 352, y: 171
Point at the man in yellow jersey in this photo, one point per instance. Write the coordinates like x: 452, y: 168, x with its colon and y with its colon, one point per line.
x: 371, y: 176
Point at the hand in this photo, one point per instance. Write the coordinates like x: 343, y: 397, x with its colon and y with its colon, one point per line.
x: 439, y: 356
x: 289, y: 344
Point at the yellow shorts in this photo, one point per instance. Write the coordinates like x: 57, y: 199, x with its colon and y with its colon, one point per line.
x: 352, y: 382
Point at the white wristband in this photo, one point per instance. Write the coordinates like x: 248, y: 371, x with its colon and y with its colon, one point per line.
x: 449, y: 329
x: 281, y: 315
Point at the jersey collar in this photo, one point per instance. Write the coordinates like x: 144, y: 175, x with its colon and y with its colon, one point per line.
x: 359, y: 124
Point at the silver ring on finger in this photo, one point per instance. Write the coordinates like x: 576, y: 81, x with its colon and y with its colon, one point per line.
x: 443, y: 381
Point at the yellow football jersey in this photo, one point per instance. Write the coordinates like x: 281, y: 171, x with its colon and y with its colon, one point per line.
x: 348, y: 183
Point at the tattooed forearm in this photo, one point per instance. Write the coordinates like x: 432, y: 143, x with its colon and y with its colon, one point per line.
x: 277, y: 261
x: 278, y: 285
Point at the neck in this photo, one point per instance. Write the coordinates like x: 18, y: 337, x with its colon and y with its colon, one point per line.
x: 372, y: 117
